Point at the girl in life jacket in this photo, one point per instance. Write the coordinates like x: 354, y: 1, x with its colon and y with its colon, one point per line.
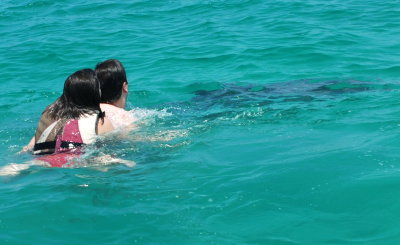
x: 72, y: 121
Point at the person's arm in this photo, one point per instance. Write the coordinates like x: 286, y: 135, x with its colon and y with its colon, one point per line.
x: 104, y: 126
x: 29, y: 146
x: 108, y: 160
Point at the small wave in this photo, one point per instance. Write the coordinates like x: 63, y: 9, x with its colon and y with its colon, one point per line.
x: 143, y: 114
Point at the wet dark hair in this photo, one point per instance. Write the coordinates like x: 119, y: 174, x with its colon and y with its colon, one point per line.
x: 111, y: 74
x: 81, y: 96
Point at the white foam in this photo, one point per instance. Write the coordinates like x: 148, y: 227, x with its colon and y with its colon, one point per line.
x: 142, y: 114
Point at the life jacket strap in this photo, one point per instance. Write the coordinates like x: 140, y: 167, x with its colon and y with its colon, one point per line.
x: 51, y: 145
x: 44, y: 145
x: 67, y: 144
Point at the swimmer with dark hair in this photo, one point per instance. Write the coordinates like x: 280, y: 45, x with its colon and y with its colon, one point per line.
x: 114, y: 86
x: 114, y: 92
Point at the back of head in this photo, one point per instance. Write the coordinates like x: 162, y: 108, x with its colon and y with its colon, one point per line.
x: 81, y: 96
x: 111, y: 74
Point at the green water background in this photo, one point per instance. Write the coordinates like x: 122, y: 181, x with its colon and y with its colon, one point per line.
x: 287, y: 114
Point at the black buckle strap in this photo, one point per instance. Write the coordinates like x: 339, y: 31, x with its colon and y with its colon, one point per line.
x: 44, y: 145
x: 67, y: 144
x: 51, y: 145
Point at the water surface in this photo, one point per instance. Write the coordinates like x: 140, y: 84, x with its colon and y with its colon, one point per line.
x: 262, y: 122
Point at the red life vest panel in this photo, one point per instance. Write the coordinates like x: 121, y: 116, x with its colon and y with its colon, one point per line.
x: 63, y: 138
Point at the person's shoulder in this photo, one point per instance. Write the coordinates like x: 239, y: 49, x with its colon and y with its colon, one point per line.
x: 111, y: 108
x: 115, y: 110
x: 104, y: 126
x: 119, y: 117
x: 105, y: 106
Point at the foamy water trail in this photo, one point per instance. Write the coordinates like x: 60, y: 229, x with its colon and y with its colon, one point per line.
x: 149, y: 114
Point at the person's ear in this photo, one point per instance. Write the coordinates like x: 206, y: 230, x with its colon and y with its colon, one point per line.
x: 125, y: 87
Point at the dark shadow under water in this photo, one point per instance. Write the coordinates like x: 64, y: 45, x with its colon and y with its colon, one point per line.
x: 232, y: 100
x: 303, y: 90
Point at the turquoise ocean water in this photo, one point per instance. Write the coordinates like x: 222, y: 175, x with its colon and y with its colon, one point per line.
x: 262, y: 122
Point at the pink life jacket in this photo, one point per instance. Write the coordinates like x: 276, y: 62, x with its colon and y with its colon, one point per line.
x: 63, y: 139
x: 70, y: 138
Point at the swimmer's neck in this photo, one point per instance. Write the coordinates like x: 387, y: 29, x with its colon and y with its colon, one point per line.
x: 121, y: 102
